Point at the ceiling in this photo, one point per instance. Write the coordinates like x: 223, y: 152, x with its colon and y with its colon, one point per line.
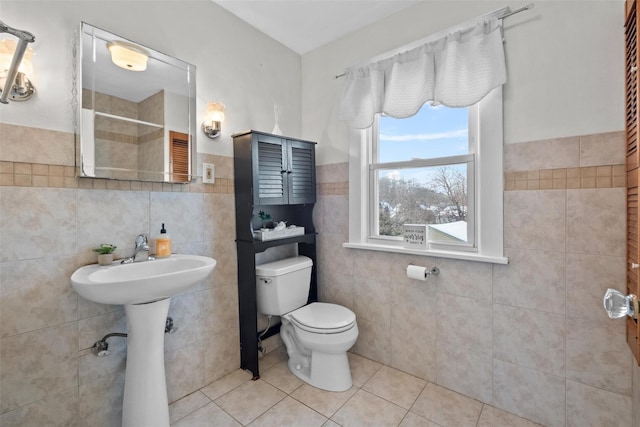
x: 304, y: 25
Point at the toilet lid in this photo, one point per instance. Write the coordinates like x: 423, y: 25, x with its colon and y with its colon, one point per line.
x: 323, y: 316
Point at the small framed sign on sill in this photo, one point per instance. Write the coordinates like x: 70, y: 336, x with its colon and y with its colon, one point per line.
x: 415, y: 236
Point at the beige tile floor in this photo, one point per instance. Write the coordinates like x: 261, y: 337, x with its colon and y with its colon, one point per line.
x: 380, y: 396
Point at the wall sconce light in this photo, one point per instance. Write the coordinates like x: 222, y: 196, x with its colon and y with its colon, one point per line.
x: 215, y: 116
x: 128, y: 55
x: 21, y: 89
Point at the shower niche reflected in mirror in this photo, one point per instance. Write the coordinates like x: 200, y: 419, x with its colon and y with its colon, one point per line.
x: 137, y: 111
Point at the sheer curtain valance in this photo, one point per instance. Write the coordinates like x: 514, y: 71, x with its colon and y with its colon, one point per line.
x: 457, y: 71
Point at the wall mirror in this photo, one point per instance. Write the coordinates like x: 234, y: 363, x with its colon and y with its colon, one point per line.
x: 137, y: 111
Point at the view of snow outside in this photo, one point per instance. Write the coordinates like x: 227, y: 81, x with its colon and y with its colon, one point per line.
x: 423, y: 195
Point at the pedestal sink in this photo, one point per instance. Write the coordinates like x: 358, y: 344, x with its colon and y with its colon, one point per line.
x: 145, y: 288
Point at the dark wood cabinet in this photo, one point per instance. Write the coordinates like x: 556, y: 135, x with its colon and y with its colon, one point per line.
x: 275, y: 174
x: 283, y: 168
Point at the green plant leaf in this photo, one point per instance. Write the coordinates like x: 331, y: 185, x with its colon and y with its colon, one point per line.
x: 105, y: 248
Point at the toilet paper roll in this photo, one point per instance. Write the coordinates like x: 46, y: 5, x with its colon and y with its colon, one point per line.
x: 416, y: 272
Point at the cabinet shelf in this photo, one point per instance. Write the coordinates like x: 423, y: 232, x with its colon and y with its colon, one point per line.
x: 261, y: 246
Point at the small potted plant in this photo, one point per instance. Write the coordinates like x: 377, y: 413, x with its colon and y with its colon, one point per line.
x: 105, y: 253
x: 267, y: 222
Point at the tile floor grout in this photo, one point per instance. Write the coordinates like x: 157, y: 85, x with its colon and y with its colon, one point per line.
x: 346, y: 412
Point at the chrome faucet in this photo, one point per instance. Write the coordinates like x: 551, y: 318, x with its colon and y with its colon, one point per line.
x: 141, y: 251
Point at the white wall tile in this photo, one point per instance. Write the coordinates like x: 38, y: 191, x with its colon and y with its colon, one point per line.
x: 465, y: 324
x: 602, y: 149
x: 221, y: 354
x: 101, y: 400
x: 374, y: 341
x: 596, y: 221
x: 371, y: 300
x: 115, y: 217
x: 184, y: 370
x: 182, y: 224
x: 463, y: 278
x: 36, y: 294
x: 37, y: 364
x: 535, y: 220
x: 335, y: 287
x: 466, y: 372
x: 532, y: 279
x: 414, y: 327
x: 598, y: 355
x: 464, y: 345
x: 528, y: 393
x: 592, y: 407
x: 546, y: 154
x: 588, y: 277
x: 529, y: 338
x: 37, y: 223
x: 59, y: 410
x: 219, y: 221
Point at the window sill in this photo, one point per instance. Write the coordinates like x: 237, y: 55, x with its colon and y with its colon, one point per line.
x: 467, y: 256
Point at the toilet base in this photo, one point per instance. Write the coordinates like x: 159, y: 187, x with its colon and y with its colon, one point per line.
x: 319, y: 359
x: 329, y: 372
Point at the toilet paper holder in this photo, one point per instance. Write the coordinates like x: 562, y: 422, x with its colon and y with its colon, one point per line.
x: 434, y: 270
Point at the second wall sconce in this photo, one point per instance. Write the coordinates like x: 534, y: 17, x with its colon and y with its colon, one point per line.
x: 212, y: 126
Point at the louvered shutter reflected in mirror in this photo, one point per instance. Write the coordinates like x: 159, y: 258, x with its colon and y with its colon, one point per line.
x: 179, y: 157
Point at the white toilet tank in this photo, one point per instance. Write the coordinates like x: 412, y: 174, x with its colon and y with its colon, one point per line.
x: 282, y: 286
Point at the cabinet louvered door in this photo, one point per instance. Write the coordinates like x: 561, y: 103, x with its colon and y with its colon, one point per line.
x: 270, y: 181
x: 301, y: 174
x: 631, y: 128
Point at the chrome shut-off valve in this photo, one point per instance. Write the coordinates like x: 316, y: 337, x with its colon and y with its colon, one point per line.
x: 618, y: 305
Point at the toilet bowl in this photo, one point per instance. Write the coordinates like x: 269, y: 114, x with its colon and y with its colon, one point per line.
x: 318, y: 335
x: 317, y: 352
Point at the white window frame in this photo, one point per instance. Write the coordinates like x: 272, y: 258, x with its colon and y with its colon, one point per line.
x: 485, y: 127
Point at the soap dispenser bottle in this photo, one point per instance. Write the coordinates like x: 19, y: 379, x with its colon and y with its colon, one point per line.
x: 163, y: 244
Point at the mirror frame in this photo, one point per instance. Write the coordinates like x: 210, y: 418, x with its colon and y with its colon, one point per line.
x: 85, y: 135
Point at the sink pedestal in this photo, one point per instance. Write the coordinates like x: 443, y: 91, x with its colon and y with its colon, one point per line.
x: 145, y: 388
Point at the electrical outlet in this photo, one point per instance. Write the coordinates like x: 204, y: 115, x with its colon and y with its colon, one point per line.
x: 208, y: 173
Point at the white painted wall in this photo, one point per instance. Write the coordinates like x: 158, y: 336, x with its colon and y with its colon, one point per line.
x: 236, y: 64
x: 565, y: 62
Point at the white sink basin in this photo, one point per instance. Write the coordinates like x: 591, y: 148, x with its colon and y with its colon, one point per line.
x: 141, y: 282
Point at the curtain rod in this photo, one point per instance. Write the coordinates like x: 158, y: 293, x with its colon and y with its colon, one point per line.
x: 505, y: 15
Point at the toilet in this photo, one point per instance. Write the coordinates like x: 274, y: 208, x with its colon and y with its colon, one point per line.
x: 318, y: 335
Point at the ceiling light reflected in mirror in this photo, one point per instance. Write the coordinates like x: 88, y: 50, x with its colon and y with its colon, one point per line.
x: 128, y: 55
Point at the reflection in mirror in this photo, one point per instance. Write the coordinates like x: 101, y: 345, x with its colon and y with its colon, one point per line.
x: 137, y: 120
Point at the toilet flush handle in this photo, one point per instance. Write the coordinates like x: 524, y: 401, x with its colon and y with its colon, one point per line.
x: 266, y: 281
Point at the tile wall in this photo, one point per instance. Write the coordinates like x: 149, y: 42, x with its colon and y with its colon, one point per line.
x: 49, y: 222
x: 529, y: 337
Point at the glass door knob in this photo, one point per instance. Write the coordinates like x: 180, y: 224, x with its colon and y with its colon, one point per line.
x: 618, y: 305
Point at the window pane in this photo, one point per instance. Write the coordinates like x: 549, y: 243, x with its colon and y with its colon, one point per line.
x: 435, y: 131
x: 428, y: 195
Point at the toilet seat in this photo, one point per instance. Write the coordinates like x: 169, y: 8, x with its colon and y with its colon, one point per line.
x: 323, y: 318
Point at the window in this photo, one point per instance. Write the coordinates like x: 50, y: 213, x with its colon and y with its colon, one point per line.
x: 441, y: 167
x: 422, y: 172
